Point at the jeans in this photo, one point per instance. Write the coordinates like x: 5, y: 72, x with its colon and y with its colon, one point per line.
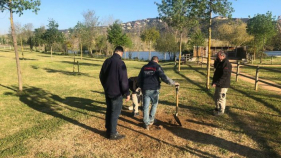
x: 220, y: 98
x: 150, y: 95
x: 113, y: 110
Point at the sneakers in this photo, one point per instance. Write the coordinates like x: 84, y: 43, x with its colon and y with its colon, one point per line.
x: 217, y: 113
x: 116, y: 136
x: 136, y: 114
x: 151, y: 123
x: 130, y: 107
x: 146, y: 127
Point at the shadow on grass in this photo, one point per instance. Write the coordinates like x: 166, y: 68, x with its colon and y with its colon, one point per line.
x: 97, y: 92
x: 208, y: 139
x: 198, y: 70
x: 265, y: 103
x: 66, y: 72
x: 27, y: 59
x: 193, y: 82
x: 7, y: 50
x: 45, y: 102
x: 81, y: 63
x: 196, y: 152
x: 262, y: 134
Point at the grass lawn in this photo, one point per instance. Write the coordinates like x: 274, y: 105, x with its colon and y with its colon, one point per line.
x: 61, y: 114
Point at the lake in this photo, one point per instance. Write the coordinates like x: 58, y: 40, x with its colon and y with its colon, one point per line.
x: 145, y: 55
x: 273, y: 53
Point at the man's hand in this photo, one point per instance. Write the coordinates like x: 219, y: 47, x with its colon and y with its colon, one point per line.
x: 128, y: 98
x: 214, y: 85
x: 177, y: 84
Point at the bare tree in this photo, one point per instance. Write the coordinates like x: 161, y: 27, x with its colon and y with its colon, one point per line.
x: 91, y: 21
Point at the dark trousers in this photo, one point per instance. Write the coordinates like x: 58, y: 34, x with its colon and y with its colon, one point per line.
x: 113, y: 110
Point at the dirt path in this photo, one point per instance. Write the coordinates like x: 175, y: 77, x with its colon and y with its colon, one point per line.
x: 264, y: 84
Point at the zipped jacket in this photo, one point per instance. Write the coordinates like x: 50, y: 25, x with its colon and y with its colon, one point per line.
x: 222, y: 73
x: 113, y: 77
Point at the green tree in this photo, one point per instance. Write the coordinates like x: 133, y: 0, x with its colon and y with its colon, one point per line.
x: 39, y: 37
x: 150, y: 36
x: 167, y: 43
x: 235, y: 33
x: 28, y: 34
x: 197, y: 39
x: 116, y: 37
x: 177, y: 13
x: 274, y: 43
x: 16, y: 6
x: 101, y: 43
x: 80, y: 33
x: 204, y: 9
x: 262, y: 27
x: 52, y: 34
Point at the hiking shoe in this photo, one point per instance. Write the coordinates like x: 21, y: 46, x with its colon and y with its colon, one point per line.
x: 146, y: 127
x: 130, y: 108
x: 217, y: 113
x: 154, y: 122
x: 136, y: 114
x: 116, y: 136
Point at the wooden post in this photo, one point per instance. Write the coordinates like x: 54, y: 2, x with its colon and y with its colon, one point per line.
x: 237, y: 71
x: 78, y: 66
x: 257, y: 79
x: 271, y: 59
x: 74, y: 64
x: 202, y: 62
x: 252, y: 59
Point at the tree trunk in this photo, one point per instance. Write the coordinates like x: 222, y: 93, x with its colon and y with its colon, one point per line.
x: 209, y: 52
x: 21, y: 47
x: 81, y: 51
x: 149, y: 50
x: 51, y: 51
x: 15, y: 47
x: 180, y: 51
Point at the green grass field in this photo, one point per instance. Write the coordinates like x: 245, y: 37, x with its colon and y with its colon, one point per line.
x: 61, y: 114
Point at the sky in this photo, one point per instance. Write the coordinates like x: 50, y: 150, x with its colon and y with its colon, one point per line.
x: 68, y: 12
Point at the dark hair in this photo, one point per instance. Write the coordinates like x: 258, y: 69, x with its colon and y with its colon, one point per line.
x: 155, y: 58
x: 118, y: 49
x: 222, y: 53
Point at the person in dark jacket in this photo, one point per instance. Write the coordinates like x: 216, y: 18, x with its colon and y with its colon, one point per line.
x: 221, y: 81
x: 149, y: 81
x: 136, y: 94
x: 114, y: 79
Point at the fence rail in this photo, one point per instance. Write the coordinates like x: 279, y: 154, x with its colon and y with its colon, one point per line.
x: 256, y: 78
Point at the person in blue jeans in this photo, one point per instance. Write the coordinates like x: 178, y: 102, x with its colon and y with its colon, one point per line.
x: 149, y: 81
x: 114, y: 79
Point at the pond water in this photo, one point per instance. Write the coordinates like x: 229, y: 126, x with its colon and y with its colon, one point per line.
x: 273, y: 53
x: 145, y: 55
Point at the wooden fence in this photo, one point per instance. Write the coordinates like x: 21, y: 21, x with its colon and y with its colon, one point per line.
x: 238, y: 64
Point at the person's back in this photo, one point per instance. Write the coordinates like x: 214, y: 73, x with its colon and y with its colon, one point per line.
x: 113, y: 77
x: 150, y: 75
x: 149, y: 80
x: 114, y: 82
